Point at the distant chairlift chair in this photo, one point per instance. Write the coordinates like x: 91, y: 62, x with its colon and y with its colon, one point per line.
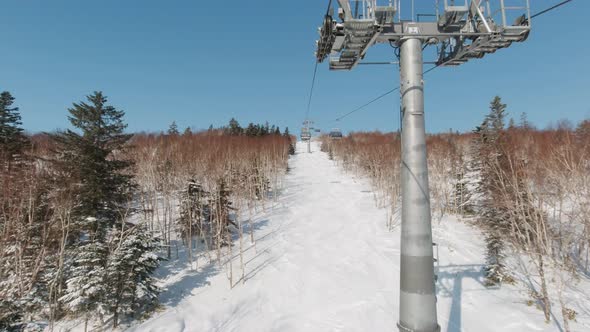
x: 336, y: 133
x: 305, y: 135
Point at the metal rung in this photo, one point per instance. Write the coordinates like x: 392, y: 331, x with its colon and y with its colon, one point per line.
x: 514, y: 38
x: 359, y: 24
x: 477, y: 55
x: 500, y: 44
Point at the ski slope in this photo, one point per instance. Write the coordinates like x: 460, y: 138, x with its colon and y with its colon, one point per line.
x: 323, y: 260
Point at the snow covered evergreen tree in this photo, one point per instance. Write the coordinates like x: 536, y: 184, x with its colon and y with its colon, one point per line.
x: 97, y: 278
x: 490, y: 159
x: 221, y: 207
x: 287, y: 135
x: 259, y: 180
x: 86, y: 289
x: 463, y: 186
x: 11, y: 312
x: 91, y: 159
x: 195, y: 213
x: 38, y: 259
x: 129, y: 281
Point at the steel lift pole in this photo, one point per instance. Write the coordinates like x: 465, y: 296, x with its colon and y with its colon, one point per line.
x: 417, y: 289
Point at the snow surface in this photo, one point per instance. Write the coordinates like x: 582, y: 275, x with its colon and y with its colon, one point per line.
x: 324, y: 260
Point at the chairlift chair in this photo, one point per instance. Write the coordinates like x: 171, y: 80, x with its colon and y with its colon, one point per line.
x: 336, y: 133
x: 305, y: 135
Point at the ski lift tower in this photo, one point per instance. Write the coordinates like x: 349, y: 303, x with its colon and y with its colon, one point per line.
x: 462, y: 30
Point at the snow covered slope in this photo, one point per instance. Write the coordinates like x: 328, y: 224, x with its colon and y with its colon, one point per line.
x: 325, y: 261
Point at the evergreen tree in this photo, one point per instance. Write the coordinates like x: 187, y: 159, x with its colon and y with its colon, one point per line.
x: 511, y: 124
x: 37, y: 298
x: 11, y: 308
x: 20, y: 222
x: 259, y: 130
x: 195, y: 213
x: 524, y: 122
x: 12, y: 139
x: 251, y: 130
x: 287, y: 135
x: 130, y: 284
x: 86, y: 293
x: 38, y: 260
x: 234, y: 128
x: 93, y: 157
x: 583, y: 130
x: 493, y: 217
x: 221, y: 207
x: 495, y: 119
x: 260, y: 181
x: 173, y: 129
x: 265, y: 129
x: 583, y: 137
x: 187, y: 131
x: 462, y: 193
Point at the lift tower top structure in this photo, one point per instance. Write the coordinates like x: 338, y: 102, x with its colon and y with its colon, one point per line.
x: 462, y: 30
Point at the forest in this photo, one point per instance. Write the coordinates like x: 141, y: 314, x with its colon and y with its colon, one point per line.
x: 88, y: 214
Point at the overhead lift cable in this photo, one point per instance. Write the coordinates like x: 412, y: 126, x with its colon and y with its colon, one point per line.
x: 434, y: 67
x: 377, y: 98
x: 550, y: 8
x: 367, y: 104
x: 315, y: 70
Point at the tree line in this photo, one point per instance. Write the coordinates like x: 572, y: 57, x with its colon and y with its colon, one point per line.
x: 526, y: 189
x: 88, y: 214
x: 234, y: 128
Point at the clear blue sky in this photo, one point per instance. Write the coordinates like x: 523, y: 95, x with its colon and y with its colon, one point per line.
x: 203, y: 62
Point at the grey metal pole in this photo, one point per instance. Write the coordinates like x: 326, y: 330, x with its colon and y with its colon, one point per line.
x: 417, y: 293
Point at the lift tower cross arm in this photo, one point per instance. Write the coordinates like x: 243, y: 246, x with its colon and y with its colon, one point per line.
x: 463, y: 30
